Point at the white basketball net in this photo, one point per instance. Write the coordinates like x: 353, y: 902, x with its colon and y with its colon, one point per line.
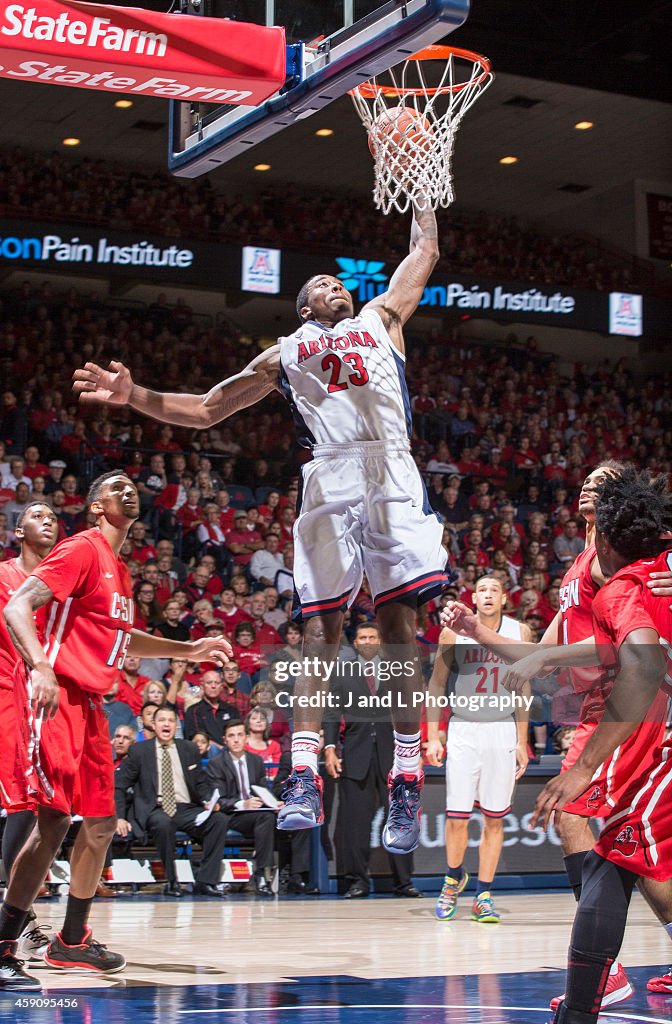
x: 415, y: 166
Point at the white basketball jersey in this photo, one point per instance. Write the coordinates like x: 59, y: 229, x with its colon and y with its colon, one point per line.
x: 480, y: 673
x: 345, y: 383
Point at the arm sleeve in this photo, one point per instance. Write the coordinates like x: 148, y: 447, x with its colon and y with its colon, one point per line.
x: 71, y: 570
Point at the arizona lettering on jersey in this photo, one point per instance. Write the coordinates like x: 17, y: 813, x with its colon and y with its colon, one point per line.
x: 480, y: 672
x: 11, y: 578
x: 353, y: 339
x: 346, y: 383
x: 89, y: 622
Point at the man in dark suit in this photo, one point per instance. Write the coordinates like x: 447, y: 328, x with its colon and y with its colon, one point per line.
x: 169, y: 790
x: 234, y: 772
x: 362, y: 769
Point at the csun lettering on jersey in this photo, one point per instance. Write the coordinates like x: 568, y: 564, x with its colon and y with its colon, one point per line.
x: 122, y: 608
x: 569, y: 595
x: 353, y: 339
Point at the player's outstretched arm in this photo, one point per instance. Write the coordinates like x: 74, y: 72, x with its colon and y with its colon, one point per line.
x: 146, y: 645
x: 642, y: 666
x: 20, y: 618
x: 546, y: 658
x: 409, y: 280
x: 115, y: 386
x: 465, y: 622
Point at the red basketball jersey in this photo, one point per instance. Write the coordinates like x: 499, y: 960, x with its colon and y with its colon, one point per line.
x: 625, y: 603
x: 89, y: 622
x: 577, y: 594
x: 11, y: 578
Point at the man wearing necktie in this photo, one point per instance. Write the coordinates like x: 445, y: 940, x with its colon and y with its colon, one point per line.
x: 362, y: 769
x: 234, y: 772
x: 170, y: 789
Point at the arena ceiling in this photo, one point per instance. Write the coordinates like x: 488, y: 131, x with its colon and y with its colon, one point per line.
x: 557, y: 62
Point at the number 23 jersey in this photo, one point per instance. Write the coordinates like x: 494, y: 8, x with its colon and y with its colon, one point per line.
x: 89, y: 622
x: 345, y: 383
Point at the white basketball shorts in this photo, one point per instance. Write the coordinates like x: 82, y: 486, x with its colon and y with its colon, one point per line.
x: 480, y: 767
x: 364, y: 509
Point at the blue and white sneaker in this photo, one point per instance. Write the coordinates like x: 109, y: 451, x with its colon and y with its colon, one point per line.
x: 401, y: 833
x: 302, y: 798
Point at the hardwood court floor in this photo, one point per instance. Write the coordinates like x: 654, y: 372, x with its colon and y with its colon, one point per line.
x: 192, y: 957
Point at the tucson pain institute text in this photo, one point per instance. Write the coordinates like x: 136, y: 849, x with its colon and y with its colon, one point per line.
x: 73, y: 250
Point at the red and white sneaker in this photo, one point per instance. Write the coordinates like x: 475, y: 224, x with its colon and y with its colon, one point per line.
x: 662, y: 984
x: 617, y: 991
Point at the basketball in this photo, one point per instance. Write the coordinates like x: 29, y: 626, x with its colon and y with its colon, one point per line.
x: 401, y: 131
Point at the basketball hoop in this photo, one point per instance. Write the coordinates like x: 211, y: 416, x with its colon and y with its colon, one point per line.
x: 412, y: 120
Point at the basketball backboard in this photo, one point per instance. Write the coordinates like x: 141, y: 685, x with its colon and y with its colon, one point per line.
x: 332, y: 46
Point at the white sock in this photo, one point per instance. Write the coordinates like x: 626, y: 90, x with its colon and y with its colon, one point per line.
x: 615, y: 967
x: 406, y: 754
x: 304, y: 750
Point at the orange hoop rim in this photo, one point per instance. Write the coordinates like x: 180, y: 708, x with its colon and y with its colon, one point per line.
x: 434, y: 52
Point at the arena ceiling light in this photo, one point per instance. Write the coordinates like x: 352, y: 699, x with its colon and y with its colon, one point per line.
x: 583, y: 126
x: 71, y: 141
x: 124, y: 104
x: 262, y: 167
x: 508, y: 160
x: 324, y: 132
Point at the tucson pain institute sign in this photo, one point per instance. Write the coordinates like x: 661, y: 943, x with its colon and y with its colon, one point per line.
x: 95, y: 46
x: 500, y: 300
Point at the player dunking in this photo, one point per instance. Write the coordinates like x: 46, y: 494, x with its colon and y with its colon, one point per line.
x: 36, y: 533
x: 632, y: 514
x: 89, y: 631
x: 573, y: 626
x: 364, y: 507
x: 486, y: 750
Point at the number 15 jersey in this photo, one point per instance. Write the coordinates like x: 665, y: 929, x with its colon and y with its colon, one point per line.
x: 345, y: 383
x: 89, y: 622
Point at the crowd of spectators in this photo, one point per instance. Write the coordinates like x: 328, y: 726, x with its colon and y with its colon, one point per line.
x: 502, y: 439
x: 106, y: 194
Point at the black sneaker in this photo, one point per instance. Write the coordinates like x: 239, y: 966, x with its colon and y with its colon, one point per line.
x: 13, y: 978
x: 88, y: 955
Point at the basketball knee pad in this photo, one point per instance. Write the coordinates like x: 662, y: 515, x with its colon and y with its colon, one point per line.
x: 574, y: 868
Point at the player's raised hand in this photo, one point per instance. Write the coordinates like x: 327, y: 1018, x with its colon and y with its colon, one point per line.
x: 215, y: 648
x: 459, y: 618
x: 558, y: 792
x: 94, y: 384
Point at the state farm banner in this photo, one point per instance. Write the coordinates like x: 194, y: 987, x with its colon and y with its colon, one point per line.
x: 131, y: 50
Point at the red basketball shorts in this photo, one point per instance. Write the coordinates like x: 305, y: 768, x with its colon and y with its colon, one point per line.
x: 629, y: 761
x: 72, y: 765
x: 13, y: 760
x: 637, y: 835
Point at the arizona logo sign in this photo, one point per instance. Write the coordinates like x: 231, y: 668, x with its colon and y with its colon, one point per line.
x: 130, y: 50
